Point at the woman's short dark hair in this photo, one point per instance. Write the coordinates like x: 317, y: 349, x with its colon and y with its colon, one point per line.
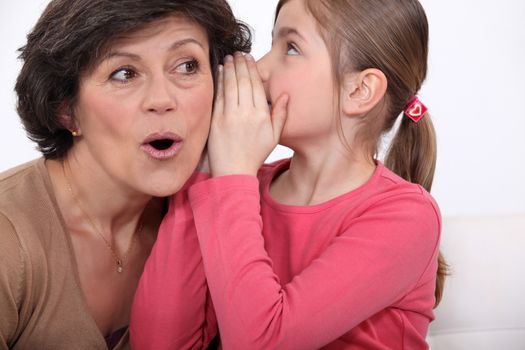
x: 72, y: 36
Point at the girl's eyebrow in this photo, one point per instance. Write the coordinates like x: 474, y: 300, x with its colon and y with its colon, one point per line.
x: 173, y: 47
x: 284, y: 31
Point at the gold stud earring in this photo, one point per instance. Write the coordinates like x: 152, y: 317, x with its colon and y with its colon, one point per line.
x: 75, y: 133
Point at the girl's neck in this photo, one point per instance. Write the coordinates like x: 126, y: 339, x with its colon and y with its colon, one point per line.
x: 315, y: 178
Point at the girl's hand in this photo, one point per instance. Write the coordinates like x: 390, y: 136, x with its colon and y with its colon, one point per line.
x: 243, y: 132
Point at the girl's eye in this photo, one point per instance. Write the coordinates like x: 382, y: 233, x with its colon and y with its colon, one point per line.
x: 188, y: 67
x: 123, y: 75
x: 291, y: 50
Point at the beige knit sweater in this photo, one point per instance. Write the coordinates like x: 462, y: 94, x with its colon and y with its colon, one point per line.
x: 41, y: 303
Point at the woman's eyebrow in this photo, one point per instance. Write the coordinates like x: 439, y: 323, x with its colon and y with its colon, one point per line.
x: 177, y: 44
x: 186, y: 41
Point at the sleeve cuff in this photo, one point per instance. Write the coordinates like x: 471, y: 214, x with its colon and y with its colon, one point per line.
x: 221, y: 185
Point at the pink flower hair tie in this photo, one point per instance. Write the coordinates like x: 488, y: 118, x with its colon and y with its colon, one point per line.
x: 415, y: 109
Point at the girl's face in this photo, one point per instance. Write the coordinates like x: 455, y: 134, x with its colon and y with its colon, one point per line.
x: 299, y: 65
x: 144, y: 112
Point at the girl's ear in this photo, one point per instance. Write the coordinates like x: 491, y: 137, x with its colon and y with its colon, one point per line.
x: 67, y: 118
x: 362, y: 91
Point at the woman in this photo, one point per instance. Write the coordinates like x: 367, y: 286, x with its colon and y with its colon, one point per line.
x: 118, y: 96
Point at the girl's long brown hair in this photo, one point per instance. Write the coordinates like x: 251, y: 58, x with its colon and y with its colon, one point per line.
x: 392, y: 36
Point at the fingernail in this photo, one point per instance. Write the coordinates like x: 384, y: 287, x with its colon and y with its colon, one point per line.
x: 238, y: 54
x: 228, y: 58
x: 249, y: 57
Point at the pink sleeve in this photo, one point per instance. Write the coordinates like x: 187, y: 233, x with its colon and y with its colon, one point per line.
x: 380, y: 256
x: 172, y: 308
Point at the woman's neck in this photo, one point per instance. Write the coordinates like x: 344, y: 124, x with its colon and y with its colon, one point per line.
x: 90, y: 196
x: 316, y: 177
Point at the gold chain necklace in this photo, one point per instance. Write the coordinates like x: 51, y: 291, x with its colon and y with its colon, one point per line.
x: 118, y: 260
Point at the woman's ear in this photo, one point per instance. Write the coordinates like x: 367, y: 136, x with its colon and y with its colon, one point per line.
x: 67, y: 118
x: 362, y: 91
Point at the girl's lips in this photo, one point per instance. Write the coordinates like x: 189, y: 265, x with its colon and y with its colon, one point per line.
x: 162, y: 146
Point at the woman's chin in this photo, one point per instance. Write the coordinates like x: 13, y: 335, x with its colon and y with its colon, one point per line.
x: 167, y: 185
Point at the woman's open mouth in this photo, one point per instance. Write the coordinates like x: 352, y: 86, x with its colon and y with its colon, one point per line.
x: 162, y: 146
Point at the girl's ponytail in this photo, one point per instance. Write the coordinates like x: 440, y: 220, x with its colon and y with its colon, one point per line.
x: 412, y: 155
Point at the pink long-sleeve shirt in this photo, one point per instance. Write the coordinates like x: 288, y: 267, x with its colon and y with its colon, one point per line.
x: 356, y: 272
x: 171, y: 308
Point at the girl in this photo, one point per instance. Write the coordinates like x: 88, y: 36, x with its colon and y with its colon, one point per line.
x: 329, y: 249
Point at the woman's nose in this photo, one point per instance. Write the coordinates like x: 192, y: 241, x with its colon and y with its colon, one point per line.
x: 159, y: 97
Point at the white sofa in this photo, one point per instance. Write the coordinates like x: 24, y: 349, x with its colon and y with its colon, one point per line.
x: 484, y: 300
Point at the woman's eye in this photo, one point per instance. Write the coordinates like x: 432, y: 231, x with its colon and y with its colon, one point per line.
x: 291, y: 50
x: 123, y: 75
x: 188, y: 67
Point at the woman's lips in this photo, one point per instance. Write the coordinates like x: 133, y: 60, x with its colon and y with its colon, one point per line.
x: 162, y: 146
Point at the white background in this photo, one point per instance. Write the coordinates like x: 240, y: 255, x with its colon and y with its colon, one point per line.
x: 475, y: 90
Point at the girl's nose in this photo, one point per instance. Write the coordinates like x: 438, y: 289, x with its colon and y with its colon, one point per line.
x: 264, y: 72
x: 262, y: 67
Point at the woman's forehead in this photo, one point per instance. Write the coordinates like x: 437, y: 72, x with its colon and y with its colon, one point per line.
x: 168, y: 33
x: 176, y: 25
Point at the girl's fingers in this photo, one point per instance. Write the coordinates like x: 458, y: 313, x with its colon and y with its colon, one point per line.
x: 218, y: 107
x: 259, y: 95
x: 279, y: 114
x: 231, y: 97
x: 244, y: 83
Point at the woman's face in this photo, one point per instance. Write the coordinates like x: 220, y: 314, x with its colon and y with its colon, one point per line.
x: 144, y: 111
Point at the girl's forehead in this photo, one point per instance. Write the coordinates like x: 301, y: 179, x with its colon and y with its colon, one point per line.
x: 296, y: 20
x: 292, y: 10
